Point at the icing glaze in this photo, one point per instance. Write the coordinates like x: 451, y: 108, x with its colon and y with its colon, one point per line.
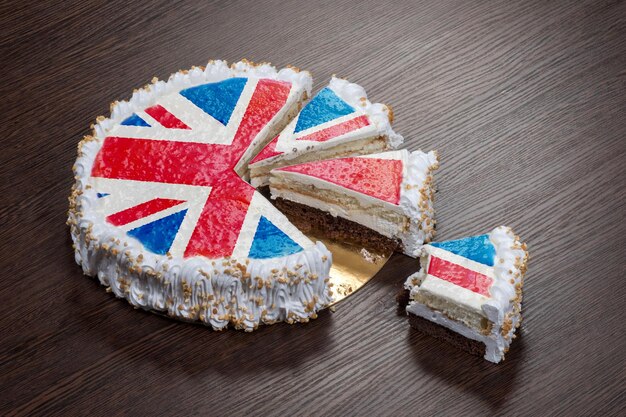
x: 134, y: 120
x: 160, y: 214
x: 217, y: 99
x: 477, y: 248
x: 270, y: 242
x: 459, y: 275
x: 324, y: 107
x: 165, y: 118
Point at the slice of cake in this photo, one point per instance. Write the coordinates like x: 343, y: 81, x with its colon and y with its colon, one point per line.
x: 469, y: 292
x: 382, y: 200
x: 339, y: 121
x: 160, y: 214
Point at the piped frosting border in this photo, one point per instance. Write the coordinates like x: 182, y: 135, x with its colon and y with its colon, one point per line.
x: 417, y: 199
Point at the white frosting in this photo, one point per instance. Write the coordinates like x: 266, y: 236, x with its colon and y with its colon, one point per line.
x: 494, y: 346
x: 509, y: 269
x: 415, y: 206
x: 416, y: 199
x: 501, y: 308
x: 242, y: 292
x: 378, y: 114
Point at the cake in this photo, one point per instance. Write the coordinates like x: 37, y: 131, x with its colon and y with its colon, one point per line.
x: 339, y: 121
x: 468, y: 292
x: 159, y: 211
x: 382, y: 200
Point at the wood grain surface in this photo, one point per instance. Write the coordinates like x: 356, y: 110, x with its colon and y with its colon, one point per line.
x: 525, y: 102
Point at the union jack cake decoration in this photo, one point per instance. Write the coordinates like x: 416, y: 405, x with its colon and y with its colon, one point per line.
x: 160, y: 211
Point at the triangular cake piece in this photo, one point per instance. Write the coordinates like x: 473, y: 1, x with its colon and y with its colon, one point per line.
x: 469, y: 292
x: 339, y: 121
x: 383, y: 201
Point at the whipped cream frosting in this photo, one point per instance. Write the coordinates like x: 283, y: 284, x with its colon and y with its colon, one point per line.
x: 503, y: 305
x: 411, y: 220
x: 417, y: 196
x: 238, y: 291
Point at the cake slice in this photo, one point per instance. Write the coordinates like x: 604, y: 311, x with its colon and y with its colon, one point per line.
x: 383, y: 201
x: 469, y: 291
x: 339, y: 121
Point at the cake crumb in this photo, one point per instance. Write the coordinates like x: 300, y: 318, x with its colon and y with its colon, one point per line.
x: 370, y: 257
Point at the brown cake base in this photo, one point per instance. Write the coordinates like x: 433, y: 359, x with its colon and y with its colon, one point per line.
x: 309, y: 219
x: 402, y: 298
x: 443, y: 333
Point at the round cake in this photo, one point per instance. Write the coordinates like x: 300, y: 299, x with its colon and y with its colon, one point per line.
x: 161, y: 213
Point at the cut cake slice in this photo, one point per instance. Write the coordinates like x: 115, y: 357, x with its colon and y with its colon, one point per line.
x: 468, y: 292
x: 339, y: 121
x: 383, y: 200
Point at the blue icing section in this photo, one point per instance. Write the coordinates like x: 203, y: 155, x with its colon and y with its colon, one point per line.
x: 477, y: 248
x: 217, y: 99
x: 134, y: 120
x: 100, y: 195
x: 159, y: 235
x: 324, y: 107
x: 269, y: 242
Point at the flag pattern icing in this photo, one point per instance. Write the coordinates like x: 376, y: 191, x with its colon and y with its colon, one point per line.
x: 467, y: 263
x: 166, y: 175
x: 326, y: 117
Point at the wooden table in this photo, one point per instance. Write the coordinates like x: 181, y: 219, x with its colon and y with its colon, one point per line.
x: 525, y: 101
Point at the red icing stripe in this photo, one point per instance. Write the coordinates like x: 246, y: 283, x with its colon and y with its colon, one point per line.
x: 142, y: 210
x: 459, y: 275
x: 269, y: 98
x: 219, y: 225
x: 337, y: 130
x: 378, y: 178
x: 165, y: 118
x: 267, y: 152
x: 161, y: 161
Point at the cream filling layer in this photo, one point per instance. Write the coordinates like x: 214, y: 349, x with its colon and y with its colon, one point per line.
x: 373, y: 218
x: 384, y: 218
x: 495, y: 345
x: 260, y: 171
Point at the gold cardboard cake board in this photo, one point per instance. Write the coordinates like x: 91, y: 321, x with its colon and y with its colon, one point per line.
x: 352, y: 267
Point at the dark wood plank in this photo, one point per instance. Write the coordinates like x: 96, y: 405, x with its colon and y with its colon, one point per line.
x: 525, y: 100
